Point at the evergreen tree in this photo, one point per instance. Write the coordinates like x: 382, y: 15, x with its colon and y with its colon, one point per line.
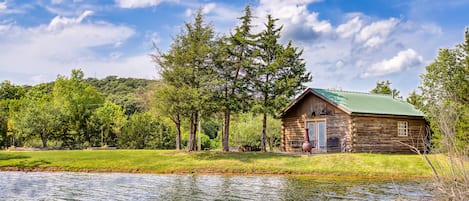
x: 233, y: 61
x: 384, y: 87
x: 188, y: 67
x: 279, y: 75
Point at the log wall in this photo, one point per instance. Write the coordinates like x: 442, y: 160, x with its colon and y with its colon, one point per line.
x: 337, y: 124
x: 379, y: 134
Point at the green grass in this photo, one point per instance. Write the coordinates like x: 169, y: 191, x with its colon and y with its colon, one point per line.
x: 162, y: 161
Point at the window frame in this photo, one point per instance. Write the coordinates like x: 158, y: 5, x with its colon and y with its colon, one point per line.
x: 402, y: 128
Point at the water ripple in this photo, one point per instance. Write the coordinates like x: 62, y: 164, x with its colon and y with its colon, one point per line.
x: 94, y: 186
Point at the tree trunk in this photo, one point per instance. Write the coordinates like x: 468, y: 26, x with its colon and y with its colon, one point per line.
x: 271, y: 143
x: 44, y: 140
x: 199, y: 140
x: 178, y: 132
x: 191, y: 143
x: 264, y: 126
x: 226, y: 132
x: 193, y: 131
x: 102, y: 137
x: 196, y: 115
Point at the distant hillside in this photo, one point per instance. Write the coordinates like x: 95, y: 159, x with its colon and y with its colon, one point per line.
x: 130, y: 93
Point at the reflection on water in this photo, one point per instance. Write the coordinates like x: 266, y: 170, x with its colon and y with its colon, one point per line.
x: 86, y: 186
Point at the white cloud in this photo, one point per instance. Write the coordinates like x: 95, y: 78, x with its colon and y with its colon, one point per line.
x: 59, y: 22
x: 222, y: 16
x: 138, y: 3
x: 46, y: 50
x: 351, y: 27
x: 56, y: 1
x: 403, y: 60
x: 9, y: 7
x: 377, y: 32
x: 189, y: 12
x: 299, y: 23
x: 208, y: 8
x: 339, y: 64
x: 3, y: 6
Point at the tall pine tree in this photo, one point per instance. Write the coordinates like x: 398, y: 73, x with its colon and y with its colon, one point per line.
x: 280, y: 74
x: 234, y: 61
x: 188, y: 67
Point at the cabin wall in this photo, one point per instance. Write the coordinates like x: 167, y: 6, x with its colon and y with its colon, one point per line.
x: 380, y: 134
x: 338, y: 125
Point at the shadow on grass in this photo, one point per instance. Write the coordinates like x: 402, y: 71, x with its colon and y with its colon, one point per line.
x: 32, y: 164
x: 12, y: 157
x: 246, y: 157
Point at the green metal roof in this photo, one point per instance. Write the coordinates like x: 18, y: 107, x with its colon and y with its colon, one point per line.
x: 368, y: 103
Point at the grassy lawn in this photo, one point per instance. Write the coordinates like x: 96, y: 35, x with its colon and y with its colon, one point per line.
x: 163, y: 161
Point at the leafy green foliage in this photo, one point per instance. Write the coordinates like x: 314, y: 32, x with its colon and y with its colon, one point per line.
x: 126, y: 92
x: 71, y: 112
x: 110, y: 118
x: 78, y: 101
x: 415, y: 99
x: 10, y: 101
x: 145, y: 131
x: 38, y: 117
x: 211, y: 127
x: 384, y: 87
x: 10, y: 91
x: 445, y: 89
x: 247, y: 130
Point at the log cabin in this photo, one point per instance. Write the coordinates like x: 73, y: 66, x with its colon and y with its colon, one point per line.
x: 343, y: 121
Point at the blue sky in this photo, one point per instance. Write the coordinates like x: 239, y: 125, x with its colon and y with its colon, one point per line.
x: 348, y: 45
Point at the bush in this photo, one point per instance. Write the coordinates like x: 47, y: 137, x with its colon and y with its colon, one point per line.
x: 144, y: 131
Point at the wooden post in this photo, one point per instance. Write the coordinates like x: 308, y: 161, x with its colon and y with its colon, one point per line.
x: 199, y: 143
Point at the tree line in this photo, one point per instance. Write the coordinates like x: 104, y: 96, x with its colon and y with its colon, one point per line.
x: 73, y: 112
x: 204, y: 74
x: 123, y: 115
x: 443, y: 95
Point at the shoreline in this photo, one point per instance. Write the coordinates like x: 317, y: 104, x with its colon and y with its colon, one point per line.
x: 339, y: 165
x: 219, y: 173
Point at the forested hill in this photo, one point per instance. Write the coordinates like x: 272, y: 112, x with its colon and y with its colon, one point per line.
x: 130, y: 93
x: 73, y: 112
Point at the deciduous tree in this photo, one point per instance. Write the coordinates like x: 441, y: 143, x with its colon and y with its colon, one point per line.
x: 78, y: 101
x: 445, y: 84
x: 111, y: 118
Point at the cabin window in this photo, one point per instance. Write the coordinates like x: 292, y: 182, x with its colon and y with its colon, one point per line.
x: 296, y: 144
x: 402, y: 128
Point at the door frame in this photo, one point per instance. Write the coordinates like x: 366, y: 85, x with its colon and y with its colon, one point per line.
x: 317, y: 149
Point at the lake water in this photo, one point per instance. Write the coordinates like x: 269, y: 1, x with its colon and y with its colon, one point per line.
x: 114, y: 186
